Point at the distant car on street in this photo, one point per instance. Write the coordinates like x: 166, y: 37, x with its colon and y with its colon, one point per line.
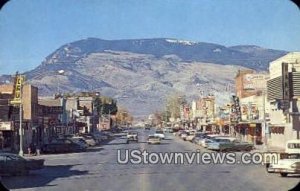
x: 147, y: 127
x: 160, y: 134
x: 152, y: 139
x: 132, y: 136
x: 12, y: 164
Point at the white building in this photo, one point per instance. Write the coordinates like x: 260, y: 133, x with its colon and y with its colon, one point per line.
x: 284, y: 98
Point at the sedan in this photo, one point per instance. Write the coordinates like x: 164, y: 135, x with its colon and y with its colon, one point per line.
x: 152, y: 139
x: 12, y: 164
x: 62, y: 146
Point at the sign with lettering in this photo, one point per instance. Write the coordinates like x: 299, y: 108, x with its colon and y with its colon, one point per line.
x: 6, y: 126
x: 18, y: 89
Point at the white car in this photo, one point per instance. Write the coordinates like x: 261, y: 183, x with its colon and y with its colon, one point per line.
x: 288, y: 165
x: 190, y: 136
x: 160, y: 134
x: 205, y: 141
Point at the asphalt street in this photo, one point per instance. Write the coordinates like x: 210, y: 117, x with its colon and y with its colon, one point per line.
x: 98, y: 169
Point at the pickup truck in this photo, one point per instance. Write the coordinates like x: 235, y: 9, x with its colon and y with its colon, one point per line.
x: 132, y: 136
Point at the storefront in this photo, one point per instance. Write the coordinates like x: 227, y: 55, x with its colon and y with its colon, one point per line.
x: 251, y: 132
x: 7, y: 136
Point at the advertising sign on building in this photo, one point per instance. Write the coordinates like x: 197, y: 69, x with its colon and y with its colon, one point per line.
x: 254, y: 81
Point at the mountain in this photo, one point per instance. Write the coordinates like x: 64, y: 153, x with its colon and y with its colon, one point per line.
x: 248, y: 56
x: 141, y: 74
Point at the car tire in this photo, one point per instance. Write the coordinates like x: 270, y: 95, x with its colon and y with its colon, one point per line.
x: 283, y: 174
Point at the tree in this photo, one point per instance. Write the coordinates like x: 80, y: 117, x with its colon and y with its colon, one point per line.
x: 123, y: 116
x: 105, y: 105
x: 174, y: 102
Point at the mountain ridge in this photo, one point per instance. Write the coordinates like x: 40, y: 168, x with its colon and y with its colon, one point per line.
x: 142, y: 73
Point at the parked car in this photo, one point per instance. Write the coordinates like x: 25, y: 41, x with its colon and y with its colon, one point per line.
x: 160, y: 134
x: 62, y: 146
x: 198, y: 137
x: 217, y: 144
x: 183, y: 135
x: 178, y: 133
x: 80, y: 141
x: 12, y: 164
x: 288, y: 165
x: 132, y: 136
x: 237, y: 145
x: 152, y: 139
x: 89, y: 140
x: 190, y: 136
x: 205, y: 141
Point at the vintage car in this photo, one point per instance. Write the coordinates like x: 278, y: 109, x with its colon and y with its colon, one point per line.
x: 190, y: 136
x: 225, y: 143
x: 198, y: 138
x: 132, y: 136
x: 290, y: 164
x: 217, y: 144
x: 152, y: 139
x: 12, y: 164
x: 62, y: 146
x: 160, y: 134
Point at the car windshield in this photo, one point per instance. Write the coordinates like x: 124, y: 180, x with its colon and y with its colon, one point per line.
x: 149, y: 95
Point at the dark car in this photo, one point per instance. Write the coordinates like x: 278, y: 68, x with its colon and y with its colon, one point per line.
x: 12, y: 164
x: 62, y: 146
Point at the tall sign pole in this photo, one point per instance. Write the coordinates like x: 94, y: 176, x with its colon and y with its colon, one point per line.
x: 17, y: 100
x: 21, y: 153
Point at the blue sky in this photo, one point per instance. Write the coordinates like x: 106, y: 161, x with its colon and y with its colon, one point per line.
x: 31, y: 30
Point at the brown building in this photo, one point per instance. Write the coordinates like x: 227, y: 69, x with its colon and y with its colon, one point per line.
x: 10, y: 115
x: 249, y: 83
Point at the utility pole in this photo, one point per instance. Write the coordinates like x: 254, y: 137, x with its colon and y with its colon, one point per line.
x: 21, y: 153
x: 264, y: 118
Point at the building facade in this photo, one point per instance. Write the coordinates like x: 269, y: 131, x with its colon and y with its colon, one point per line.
x: 284, y: 98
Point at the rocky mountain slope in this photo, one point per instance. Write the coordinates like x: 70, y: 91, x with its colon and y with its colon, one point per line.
x: 141, y: 74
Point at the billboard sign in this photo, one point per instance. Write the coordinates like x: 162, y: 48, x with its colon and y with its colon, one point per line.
x: 254, y: 81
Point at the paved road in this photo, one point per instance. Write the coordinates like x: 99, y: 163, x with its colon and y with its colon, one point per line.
x: 98, y: 169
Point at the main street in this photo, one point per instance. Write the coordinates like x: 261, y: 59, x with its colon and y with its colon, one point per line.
x: 97, y: 169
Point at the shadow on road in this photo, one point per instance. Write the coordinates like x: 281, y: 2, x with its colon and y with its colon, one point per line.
x: 94, y: 149
x: 122, y: 143
x: 41, y: 178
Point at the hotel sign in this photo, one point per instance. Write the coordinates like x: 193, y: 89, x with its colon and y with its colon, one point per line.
x: 18, y: 89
